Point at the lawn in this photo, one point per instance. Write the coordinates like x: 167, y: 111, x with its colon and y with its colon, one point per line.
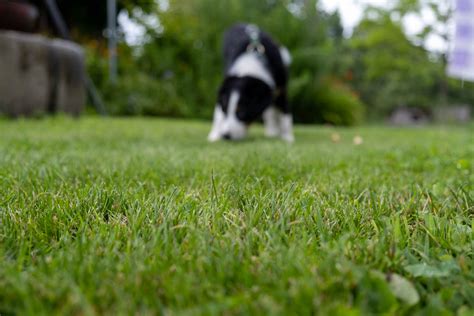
x: 143, y: 216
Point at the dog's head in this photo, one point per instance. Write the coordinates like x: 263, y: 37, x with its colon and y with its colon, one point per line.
x: 241, y: 101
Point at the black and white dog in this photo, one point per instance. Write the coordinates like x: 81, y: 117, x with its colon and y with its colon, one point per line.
x: 255, y: 85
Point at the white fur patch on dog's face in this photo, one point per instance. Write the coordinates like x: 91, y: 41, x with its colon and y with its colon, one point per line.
x: 232, y: 128
x: 227, y: 125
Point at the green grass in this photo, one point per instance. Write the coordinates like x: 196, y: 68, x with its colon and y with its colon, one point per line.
x: 142, y: 216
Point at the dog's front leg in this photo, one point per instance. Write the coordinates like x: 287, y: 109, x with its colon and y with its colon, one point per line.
x: 271, y: 122
x: 285, y: 119
x: 218, y: 119
x: 286, y: 127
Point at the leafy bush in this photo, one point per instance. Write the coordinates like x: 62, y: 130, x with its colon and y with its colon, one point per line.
x: 142, y: 95
x: 390, y: 71
x: 324, y: 102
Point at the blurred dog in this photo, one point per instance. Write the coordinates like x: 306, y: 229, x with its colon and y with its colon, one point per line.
x: 255, y: 85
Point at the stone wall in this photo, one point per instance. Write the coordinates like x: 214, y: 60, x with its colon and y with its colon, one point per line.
x: 39, y: 75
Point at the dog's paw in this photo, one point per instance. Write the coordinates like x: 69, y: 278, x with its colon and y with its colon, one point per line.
x: 272, y: 132
x: 289, y: 138
x: 213, y: 137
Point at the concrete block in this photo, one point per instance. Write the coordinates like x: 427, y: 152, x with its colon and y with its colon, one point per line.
x: 70, y: 97
x: 39, y: 75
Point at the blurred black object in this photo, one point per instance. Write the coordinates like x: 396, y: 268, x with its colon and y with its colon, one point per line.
x: 18, y: 15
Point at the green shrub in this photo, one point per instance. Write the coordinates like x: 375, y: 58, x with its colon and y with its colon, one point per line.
x: 323, y: 101
x: 143, y: 95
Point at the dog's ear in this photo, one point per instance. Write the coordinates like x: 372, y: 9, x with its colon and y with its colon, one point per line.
x: 224, y: 91
x: 228, y: 84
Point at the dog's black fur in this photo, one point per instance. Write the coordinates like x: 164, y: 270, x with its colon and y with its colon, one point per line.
x: 256, y: 95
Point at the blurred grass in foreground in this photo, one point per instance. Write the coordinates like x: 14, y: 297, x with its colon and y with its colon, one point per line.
x: 144, y: 216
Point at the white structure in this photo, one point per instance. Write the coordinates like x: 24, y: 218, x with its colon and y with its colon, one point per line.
x: 461, y: 61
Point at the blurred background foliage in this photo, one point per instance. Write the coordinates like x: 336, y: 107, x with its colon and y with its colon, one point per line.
x: 177, y: 69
